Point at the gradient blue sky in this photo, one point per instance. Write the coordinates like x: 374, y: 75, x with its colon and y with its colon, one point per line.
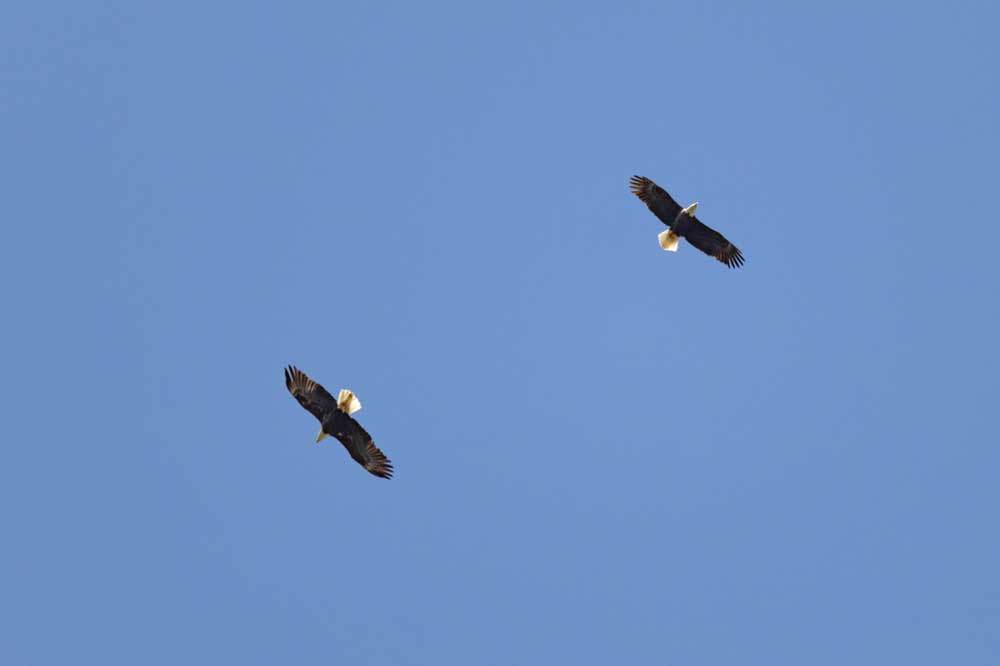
x: 605, y: 453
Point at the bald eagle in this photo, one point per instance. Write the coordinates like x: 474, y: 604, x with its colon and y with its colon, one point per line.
x: 683, y: 224
x: 336, y: 420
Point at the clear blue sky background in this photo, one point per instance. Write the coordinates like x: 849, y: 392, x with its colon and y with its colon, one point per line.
x: 605, y: 453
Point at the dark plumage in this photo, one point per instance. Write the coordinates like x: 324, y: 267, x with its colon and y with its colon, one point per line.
x: 706, y: 239
x: 337, y: 422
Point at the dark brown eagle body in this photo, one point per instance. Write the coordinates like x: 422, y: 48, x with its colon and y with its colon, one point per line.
x: 687, y: 226
x: 337, y: 422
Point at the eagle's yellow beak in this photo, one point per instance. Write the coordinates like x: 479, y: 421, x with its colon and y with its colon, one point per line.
x: 320, y: 436
x: 690, y: 209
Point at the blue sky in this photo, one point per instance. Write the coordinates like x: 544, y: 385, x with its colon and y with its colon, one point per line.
x: 605, y: 453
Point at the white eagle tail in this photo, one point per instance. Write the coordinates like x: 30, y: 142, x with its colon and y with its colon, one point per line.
x: 669, y: 240
x: 348, y: 402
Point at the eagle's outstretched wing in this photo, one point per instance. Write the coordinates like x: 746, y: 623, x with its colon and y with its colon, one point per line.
x: 316, y: 399
x: 360, y: 445
x: 654, y: 196
x: 712, y: 243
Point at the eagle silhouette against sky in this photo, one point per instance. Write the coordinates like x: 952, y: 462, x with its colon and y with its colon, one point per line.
x: 336, y: 420
x: 683, y: 224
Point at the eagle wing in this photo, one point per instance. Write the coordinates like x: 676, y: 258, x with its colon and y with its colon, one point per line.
x: 360, y: 445
x: 310, y: 394
x: 656, y: 198
x: 712, y: 243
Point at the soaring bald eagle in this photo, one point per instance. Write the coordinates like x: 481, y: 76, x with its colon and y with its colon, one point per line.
x: 336, y: 420
x: 683, y: 224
